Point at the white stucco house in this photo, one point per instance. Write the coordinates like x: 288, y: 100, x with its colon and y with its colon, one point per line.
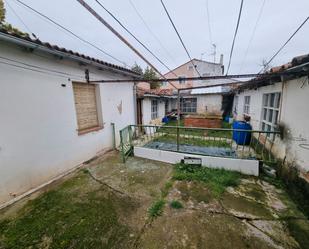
x: 280, y: 102
x: 52, y: 120
x: 154, y: 104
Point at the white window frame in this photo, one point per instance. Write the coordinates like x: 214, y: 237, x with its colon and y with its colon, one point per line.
x: 247, y: 100
x: 190, y: 108
x: 154, y: 109
x: 270, y: 111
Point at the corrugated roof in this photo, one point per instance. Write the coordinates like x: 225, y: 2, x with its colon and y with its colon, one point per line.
x: 27, y: 38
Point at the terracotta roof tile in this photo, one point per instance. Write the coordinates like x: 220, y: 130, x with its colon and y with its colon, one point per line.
x: 26, y: 37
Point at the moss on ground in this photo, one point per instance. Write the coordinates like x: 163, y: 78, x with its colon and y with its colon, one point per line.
x: 195, y: 190
x: 67, y: 217
x: 217, y: 180
x: 246, y: 206
x: 299, y: 229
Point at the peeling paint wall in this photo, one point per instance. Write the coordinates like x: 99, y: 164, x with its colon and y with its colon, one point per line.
x: 38, y: 127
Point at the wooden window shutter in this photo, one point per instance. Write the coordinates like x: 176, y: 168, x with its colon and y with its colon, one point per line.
x: 85, y: 105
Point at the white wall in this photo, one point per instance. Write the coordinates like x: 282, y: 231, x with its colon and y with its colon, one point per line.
x: 255, y: 111
x: 146, y: 110
x: 38, y: 127
x: 248, y: 167
x: 294, y: 115
x: 213, y: 102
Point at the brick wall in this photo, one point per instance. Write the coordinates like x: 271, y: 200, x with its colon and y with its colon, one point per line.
x: 202, y: 122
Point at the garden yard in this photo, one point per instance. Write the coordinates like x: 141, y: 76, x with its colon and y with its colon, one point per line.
x: 147, y: 204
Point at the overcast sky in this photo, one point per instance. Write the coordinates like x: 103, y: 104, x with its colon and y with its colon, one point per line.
x: 279, y: 19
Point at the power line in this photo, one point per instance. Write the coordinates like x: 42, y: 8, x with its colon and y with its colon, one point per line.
x: 39, y: 68
x: 253, y: 34
x: 135, y: 38
x: 150, y: 31
x: 184, y: 46
x: 120, y: 37
x: 71, y: 32
x: 282, y: 47
x: 235, y: 34
x: 230, y: 77
x: 208, y: 21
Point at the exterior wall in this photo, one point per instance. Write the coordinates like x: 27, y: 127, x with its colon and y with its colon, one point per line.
x: 248, y: 167
x: 38, y: 127
x: 209, y: 103
x: 146, y: 111
x: 293, y: 116
x: 205, y: 69
x: 255, y: 111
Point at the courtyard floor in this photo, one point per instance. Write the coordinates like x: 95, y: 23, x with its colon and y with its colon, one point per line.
x: 147, y: 204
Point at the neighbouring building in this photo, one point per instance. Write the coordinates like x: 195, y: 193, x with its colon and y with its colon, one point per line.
x: 153, y: 105
x: 52, y: 120
x: 280, y: 102
x: 189, y: 69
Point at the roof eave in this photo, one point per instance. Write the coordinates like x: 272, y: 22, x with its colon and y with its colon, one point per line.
x: 35, y: 46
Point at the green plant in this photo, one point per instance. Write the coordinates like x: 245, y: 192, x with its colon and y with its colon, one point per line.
x: 216, y: 179
x: 156, y: 208
x: 176, y: 204
x: 166, y: 188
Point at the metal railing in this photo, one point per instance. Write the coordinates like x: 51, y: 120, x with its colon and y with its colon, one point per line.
x: 126, y: 142
x: 251, y: 144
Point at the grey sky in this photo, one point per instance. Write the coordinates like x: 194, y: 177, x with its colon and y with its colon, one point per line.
x: 279, y: 20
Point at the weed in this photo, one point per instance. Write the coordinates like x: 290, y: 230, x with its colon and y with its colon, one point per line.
x: 176, y: 204
x: 156, y: 208
x: 166, y: 188
x: 216, y: 179
x: 85, y: 170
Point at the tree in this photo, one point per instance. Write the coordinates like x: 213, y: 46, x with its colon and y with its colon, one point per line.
x: 150, y: 74
x: 137, y: 69
x: 2, y: 11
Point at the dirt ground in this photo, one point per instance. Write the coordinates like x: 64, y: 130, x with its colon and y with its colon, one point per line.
x: 106, y: 205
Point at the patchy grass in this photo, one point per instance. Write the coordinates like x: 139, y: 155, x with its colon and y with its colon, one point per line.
x: 194, y: 132
x: 171, y: 138
x: 176, y: 204
x: 156, y: 208
x: 67, y: 217
x: 216, y: 179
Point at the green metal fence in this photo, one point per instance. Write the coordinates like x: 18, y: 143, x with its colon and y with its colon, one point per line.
x: 200, y: 141
x: 126, y: 145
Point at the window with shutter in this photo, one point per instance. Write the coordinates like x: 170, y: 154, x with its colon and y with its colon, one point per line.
x: 86, y: 107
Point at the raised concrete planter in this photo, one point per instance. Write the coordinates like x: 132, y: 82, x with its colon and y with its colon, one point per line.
x: 248, y: 167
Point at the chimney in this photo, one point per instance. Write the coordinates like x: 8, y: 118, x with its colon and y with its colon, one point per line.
x: 221, y: 59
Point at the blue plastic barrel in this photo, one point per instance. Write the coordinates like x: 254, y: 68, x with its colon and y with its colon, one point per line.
x: 242, y: 137
x: 165, y: 119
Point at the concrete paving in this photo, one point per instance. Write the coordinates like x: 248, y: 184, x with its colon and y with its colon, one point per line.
x: 105, y: 205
